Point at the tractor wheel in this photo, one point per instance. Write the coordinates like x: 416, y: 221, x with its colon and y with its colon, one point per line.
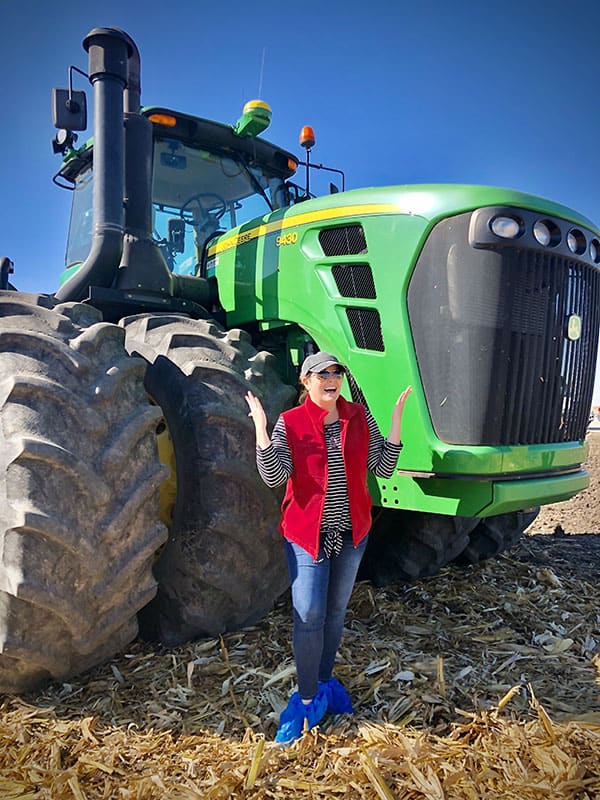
x: 78, y: 512
x: 223, y: 565
x: 493, y: 535
x: 406, y: 545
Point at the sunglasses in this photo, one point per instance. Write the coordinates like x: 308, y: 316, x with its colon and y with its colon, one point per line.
x: 325, y: 374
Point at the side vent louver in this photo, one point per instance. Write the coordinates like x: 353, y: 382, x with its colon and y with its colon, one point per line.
x: 354, y: 280
x: 346, y: 240
x: 366, y: 328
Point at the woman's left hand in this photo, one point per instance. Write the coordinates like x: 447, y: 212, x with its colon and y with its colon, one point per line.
x: 397, y: 411
x: 399, y: 406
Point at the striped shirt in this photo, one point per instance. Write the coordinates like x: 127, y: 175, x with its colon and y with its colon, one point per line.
x: 275, y: 467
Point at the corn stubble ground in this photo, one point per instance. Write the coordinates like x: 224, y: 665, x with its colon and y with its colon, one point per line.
x: 481, y: 682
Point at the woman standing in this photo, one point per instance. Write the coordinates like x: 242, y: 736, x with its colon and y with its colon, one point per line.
x: 322, y: 449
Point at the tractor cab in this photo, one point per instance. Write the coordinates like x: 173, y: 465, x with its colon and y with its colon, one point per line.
x: 207, y: 178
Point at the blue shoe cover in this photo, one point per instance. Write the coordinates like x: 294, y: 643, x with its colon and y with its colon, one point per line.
x: 338, y: 700
x: 291, y: 721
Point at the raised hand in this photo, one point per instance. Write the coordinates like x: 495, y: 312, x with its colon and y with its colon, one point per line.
x: 397, y: 411
x: 257, y: 413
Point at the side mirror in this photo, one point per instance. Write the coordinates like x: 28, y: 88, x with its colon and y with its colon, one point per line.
x: 69, y: 109
x: 176, y: 234
x: 6, y: 268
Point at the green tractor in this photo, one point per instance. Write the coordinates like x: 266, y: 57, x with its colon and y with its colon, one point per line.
x: 197, y: 269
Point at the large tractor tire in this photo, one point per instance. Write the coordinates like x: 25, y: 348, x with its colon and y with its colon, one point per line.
x: 79, y: 491
x: 494, y: 535
x: 223, y: 565
x: 407, y: 545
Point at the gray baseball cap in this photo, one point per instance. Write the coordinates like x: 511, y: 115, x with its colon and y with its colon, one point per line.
x: 318, y: 361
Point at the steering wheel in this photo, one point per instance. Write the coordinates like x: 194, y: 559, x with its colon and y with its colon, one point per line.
x: 213, y: 214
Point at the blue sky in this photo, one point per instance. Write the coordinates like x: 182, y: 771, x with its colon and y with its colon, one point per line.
x: 398, y: 92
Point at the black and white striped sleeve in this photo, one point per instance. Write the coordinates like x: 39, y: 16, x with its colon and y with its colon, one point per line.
x: 383, y: 455
x: 275, y: 461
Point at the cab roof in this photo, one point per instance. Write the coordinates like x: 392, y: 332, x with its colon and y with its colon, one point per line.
x: 205, y: 133
x: 198, y: 132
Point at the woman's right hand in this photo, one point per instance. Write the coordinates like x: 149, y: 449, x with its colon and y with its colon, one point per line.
x: 257, y: 413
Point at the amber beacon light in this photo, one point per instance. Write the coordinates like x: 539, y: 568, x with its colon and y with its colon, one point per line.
x: 307, y: 137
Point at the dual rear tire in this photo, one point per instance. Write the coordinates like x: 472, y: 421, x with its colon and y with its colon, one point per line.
x: 81, y: 538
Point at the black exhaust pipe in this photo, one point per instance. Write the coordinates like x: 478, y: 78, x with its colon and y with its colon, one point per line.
x: 108, y: 50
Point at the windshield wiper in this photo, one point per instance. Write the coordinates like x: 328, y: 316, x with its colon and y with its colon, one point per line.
x: 254, y: 180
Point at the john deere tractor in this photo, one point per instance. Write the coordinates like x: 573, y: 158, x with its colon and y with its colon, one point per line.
x: 198, y: 267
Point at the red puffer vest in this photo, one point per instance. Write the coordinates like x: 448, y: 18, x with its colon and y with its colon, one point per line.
x: 302, y: 507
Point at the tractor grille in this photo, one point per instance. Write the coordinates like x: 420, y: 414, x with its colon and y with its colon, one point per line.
x: 543, y: 397
x: 366, y: 328
x: 354, y: 280
x: 491, y: 331
x: 344, y: 240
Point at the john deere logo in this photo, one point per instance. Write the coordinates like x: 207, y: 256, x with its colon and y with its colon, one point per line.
x: 574, y: 327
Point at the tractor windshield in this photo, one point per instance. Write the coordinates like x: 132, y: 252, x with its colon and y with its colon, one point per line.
x: 198, y: 193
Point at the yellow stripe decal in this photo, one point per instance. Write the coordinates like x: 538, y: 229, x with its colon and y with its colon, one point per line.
x: 303, y: 219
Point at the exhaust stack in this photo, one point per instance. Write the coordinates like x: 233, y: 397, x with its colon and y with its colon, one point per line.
x: 108, y: 50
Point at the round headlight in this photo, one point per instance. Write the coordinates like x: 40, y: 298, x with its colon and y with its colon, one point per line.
x: 576, y: 241
x: 506, y: 227
x: 542, y: 233
x: 595, y: 251
x: 546, y: 232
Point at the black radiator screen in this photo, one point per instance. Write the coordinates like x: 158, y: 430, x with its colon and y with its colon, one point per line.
x: 490, y: 332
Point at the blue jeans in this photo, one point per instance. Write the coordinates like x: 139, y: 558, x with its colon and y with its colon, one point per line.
x: 321, y: 590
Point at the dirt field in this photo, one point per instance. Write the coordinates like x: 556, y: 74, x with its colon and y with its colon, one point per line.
x: 480, y: 682
x: 580, y: 553
x: 581, y: 514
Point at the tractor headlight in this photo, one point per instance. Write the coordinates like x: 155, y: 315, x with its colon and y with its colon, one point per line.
x: 576, y: 241
x: 506, y: 227
x: 546, y: 233
x: 542, y: 233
